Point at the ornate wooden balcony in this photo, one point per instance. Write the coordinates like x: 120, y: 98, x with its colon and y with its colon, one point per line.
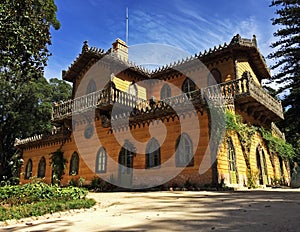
x: 247, y: 95
x: 103, y: 99
x: 253, y: 99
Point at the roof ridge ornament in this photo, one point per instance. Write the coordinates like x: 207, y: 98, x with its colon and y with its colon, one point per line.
x: 85, y: 46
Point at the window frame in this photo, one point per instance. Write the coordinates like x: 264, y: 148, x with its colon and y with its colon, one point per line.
x: 74, y: 170
x: 165, y: 92
x: 101, y: 161
x: 153, y: 157
x: 42, y: 162
x: 28, y: 173
x: 216, y: 74
x: 231, y: 156
x: 188, y: 86
x: 189, y: 156
x: 91, y: 87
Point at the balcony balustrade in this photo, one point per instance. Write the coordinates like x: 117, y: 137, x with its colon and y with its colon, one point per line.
x: 247, y: 95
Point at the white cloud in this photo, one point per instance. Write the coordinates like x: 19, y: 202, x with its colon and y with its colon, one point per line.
x: 194, y: 33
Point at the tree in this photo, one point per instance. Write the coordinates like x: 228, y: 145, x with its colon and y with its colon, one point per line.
x: 24, y: 37
x: 61, y: 90
x: 287, y: 66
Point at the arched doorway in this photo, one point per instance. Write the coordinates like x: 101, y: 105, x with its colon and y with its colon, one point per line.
x: 126, y: 164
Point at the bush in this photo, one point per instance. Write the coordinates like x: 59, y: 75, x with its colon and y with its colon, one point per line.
x: 100, y: 185
x: 35, y: 192
x: 35, y: 199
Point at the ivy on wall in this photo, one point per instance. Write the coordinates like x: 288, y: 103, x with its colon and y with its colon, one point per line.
x: 246, y: 131
x: 277, y: 145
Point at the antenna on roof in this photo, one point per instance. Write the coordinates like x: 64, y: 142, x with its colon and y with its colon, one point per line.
x: 127, y: 25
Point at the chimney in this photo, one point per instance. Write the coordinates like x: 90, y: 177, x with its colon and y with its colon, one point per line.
x: 121, y: 49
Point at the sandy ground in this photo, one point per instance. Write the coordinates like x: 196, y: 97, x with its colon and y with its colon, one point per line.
x: 255, y: 210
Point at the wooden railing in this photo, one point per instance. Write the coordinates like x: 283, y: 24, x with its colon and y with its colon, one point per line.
x: 246, y: 86
x: 56, y: 134
x: 103, y: 97
x: 222, y: 93
x: 276, y: 131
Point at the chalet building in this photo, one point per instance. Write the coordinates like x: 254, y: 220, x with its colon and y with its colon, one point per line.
x: 139, y: 128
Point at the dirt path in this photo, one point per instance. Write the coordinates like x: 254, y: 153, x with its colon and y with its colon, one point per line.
x: 268, y: 210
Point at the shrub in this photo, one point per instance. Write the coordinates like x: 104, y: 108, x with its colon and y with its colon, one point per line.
x: 38, y: 198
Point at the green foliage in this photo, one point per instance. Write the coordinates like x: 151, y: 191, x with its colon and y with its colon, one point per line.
x: 15, y: 164
x: 35, y: 192
x: 287, y: 67
x: 25, y: 95
x: 36, y: 199
x: 60, y: 90
x: 24, y: 35
x: 77, y: 182
x: 58, y: 165
x: 100, y: 185
x: 277, y: 145
x: 44, y: 207
x: 252, y: 178
x: 244, y: 132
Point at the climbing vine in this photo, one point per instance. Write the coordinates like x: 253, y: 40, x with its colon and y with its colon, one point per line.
x: 58, y: 164
x: 277, y: 145
x: 246, y: 131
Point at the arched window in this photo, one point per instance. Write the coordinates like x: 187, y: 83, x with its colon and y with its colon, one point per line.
x: 259, y: 166
x: 126, y: 158
x: 91, y: 87
x: 101, y: 160
x: 214, y: 77
x: 152, y: 154
x: 74, y: 164
x: 28, y: 170
x: 184, y: 151
x: 188, y: 86
x: 165, y: 92
x: 232, y: 162
x: 42, y: 168
x: 265, y: 167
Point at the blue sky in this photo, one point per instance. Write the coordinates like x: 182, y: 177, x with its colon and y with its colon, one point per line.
x: 190, y: 25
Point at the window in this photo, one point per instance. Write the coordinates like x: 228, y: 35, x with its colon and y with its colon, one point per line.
x: 28, y: 170
x: 184, y: 151
x: 165, y: 92
x: 91, y: 87
x: 74, y: 164
x: 152, y: 154
x: 126, y: 158
x: 42, y: 168
x: 231, y: 155
x: 101, y: 161
x: 188, y: 86
x: 214, y: 77
x: 232, y: 162
x: 259, y: 167
x: 265, y: 162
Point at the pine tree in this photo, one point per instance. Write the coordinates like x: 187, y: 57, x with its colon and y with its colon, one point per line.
x: 287, y: 66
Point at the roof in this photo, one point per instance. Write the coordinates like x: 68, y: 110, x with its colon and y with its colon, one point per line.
x: 237, y: 45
